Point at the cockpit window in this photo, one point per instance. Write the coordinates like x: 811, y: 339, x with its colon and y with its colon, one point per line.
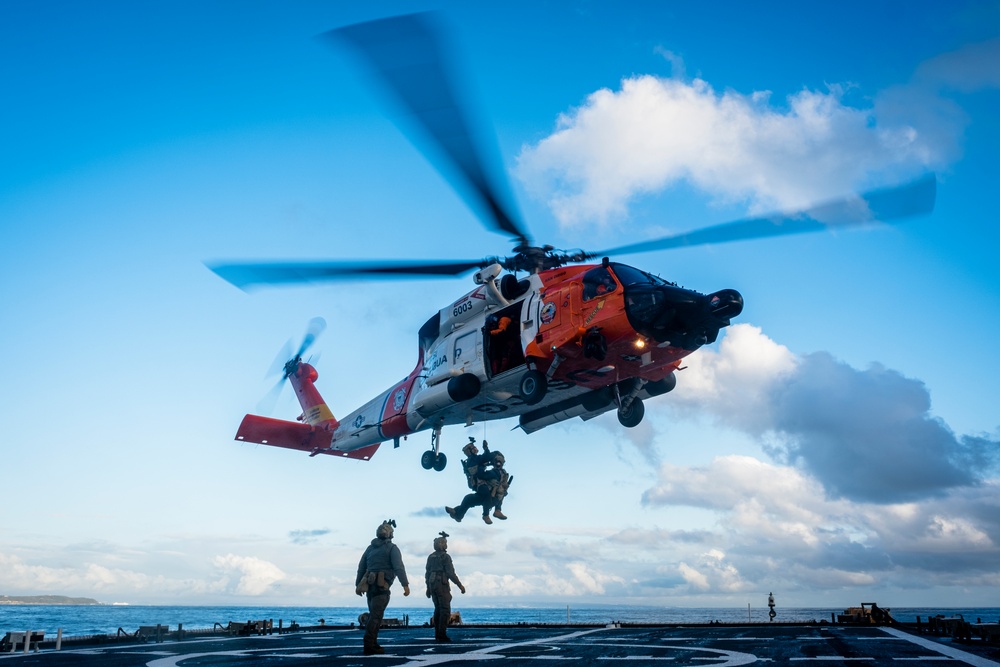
x: 629, y: 275
x: 598, y: 282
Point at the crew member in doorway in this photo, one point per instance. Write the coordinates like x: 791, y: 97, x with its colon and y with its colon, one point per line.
x: 501, y: 340
x: 440, y: 570
x: 380, y: 565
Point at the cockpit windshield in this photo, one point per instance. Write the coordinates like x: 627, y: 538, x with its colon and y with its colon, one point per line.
x: 629, y: 275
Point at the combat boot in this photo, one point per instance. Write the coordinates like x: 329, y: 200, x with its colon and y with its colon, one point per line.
x: 453, y: 513
x: 487, y: 519
x: 500, y: 515
x: 374, y: 650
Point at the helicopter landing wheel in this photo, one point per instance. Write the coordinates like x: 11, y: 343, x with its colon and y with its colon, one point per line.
x: 533, y: 387
x: 440, y: 461
x: 632, y: 415
x: 427, y: 460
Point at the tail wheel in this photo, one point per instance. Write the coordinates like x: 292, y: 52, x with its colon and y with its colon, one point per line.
x: 440, y: 461
x: 632, y: 415
x: 533, y: 387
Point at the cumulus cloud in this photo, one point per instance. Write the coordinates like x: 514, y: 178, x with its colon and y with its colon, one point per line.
x: 777, y: 524
x: 865, y: 435
x: 247, y: 575
x: 653, y: 133
x: 864, y: 485
x: 87, y: 578
x: 712, y: 572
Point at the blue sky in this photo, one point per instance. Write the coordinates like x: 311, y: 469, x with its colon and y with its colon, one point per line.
x: 840, y: 443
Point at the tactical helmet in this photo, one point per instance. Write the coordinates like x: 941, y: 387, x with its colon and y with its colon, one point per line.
x: 440, y: 544
x: 470, y: 449
x: 498, y: 459
x: 384, y: 532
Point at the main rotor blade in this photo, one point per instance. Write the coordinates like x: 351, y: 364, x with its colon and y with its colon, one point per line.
x: 252, y: 274
x: 410, y: 57
x: 885, y: 205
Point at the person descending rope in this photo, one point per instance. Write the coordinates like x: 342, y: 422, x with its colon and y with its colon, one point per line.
x: 487, y: 480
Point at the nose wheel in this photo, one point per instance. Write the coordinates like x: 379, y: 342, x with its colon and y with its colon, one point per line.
x: 434, y: 457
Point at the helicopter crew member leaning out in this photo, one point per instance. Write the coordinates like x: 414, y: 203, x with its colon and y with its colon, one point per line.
x: 379, y: 566
x: 501, y: 341
x: 440, y: 571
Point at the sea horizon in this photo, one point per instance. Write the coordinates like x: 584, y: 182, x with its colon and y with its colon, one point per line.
x: 110, y: 618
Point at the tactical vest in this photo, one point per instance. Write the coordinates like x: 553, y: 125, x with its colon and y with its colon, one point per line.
x: 378, y: 563
x: 471, y: 472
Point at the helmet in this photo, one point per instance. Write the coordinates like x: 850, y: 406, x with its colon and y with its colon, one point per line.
x: 441, y: 543
x: 384, y: 532
x: 498, y: 459
x: 470, y: 449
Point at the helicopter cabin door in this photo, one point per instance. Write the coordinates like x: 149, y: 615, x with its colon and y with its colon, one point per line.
x: 502, y: 340
x: 468, y: 354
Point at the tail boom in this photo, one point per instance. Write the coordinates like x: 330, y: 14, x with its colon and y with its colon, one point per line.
x: 314, y: 430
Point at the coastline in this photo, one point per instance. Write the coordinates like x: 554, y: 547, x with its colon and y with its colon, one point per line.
x: 54, y: 600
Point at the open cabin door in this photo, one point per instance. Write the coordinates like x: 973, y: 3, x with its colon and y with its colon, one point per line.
x: 502, y: 340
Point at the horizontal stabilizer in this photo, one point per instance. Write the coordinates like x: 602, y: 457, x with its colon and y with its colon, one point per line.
x: 364, y: 454
x: 295, y: 435
x: 280, y: 433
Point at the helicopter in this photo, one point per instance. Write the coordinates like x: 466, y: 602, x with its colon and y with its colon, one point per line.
x: 545, y: 335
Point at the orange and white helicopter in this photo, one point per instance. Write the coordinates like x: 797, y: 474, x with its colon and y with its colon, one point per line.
x: 571, y: 338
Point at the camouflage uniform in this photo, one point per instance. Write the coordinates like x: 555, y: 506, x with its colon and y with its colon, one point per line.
x: 379, y: 566
x: 496, y: 480
x: 440, y: 571
x: 475, y: 467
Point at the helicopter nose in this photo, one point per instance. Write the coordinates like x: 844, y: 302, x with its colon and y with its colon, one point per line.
x: 684, y: 318
x: 725, y: 304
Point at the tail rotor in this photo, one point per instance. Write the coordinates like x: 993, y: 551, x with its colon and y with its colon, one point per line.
x: 286, y: 364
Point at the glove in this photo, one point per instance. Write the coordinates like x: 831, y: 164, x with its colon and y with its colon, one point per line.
x: 461, y: 588
x: 428, y: 592
x: 406, y: 591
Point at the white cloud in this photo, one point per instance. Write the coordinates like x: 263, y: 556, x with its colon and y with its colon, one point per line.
x: 253, y: 576
x: 734, y: 380
x: 863, y: 434
x: 776, y: 524
x: 653, y: 133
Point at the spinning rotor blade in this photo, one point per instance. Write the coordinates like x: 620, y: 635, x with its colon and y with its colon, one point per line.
x: 266, y: 405
x: 317, y: 325
x: 250, y: 275
x: 885, y: 205
x: 286, y: 365
x: 410, y: 57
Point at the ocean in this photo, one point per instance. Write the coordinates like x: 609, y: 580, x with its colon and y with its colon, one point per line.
x: 84, y: 620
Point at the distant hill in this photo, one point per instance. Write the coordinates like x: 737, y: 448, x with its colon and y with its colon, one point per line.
x: 44, y: 599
